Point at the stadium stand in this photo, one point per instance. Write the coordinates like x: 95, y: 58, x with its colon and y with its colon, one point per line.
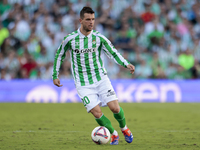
x: 160, y: 37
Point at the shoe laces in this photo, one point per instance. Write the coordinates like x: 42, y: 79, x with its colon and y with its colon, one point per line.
x: 114, y: 137
x: 126, y: 132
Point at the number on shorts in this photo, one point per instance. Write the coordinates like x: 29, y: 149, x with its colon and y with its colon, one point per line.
x: 85, y: 100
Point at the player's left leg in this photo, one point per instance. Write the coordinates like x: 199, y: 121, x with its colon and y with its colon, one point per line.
x: 101, y: 119
x: 119, y: 116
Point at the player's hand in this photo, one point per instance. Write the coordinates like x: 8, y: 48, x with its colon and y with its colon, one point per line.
x: 57, y: 82
x: 131, y: 68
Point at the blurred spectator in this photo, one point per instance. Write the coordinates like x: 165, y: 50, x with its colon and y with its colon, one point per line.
x: 22, y: 30
x: 171, y: 70
x: 28, y: 66
x: 157, y: 67
x: 138, y: 7
x: 46, y: 73
x: 4, y: 75
x: 143, y: 71
x: 154, y: 30
x: 65, y: 70
x: 4, y: 34
x: 153, y: 26
x: 11, y: 64
x: 76, y: 8
x: 195, y: 71
x: 147, y: 16
x: 4, y: 6
x: 31, y: 6
x: 113, y: 69
x: 186, y: 59
x: 181, y: 73
x: 142, y: 39
x: 6, y: 47
x: 1, y: 61
x: 59, y: 35
x: 123, y: 40
x: 196, y: 50
x: 68, y: 21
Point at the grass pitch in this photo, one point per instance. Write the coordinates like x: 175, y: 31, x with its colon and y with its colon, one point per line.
x: 30, y: 126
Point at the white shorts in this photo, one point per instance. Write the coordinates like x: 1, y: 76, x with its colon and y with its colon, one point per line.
x: 99, y: 93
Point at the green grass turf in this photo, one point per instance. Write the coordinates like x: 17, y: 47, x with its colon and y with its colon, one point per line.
x: 68, y: 126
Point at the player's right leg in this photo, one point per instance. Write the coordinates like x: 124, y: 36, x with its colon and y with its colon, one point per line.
x: 104, y: 121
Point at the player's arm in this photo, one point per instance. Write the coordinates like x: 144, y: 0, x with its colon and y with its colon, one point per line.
x: 112, y: 53
x: 59, y: 57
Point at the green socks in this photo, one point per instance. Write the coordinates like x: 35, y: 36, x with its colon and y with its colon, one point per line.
x: 120, y: 118
x: 103, y: 121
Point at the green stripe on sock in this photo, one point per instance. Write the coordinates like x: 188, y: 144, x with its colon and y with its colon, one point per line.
x: 103, y: 121
x: 120, y: 118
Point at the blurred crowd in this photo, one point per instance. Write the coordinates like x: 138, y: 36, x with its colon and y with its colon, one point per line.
x: 160, y: 37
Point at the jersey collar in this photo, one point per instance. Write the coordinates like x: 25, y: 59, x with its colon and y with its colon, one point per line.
x: 82, y: 35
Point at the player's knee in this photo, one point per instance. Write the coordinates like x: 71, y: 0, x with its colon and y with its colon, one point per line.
x: 97, y: 113
x: 115, y: 109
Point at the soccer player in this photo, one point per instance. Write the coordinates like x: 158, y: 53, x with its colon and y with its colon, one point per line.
x: 92, y: 83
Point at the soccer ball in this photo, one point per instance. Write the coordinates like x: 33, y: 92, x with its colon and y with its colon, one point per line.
x: 100, y: 135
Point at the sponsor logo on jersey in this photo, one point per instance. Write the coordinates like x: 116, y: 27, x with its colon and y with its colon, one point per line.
x: 87, y: 50
x: 110, y: 93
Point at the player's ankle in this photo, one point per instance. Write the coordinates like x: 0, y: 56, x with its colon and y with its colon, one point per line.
x: 124, y: 128
x: 115, y: 133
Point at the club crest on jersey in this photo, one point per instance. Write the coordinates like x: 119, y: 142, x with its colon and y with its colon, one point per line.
x: 87, y: 50
x: 93, y: 42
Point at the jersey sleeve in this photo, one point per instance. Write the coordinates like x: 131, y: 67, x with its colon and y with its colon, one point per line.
x: 59, y: 57
x: 112, y: 52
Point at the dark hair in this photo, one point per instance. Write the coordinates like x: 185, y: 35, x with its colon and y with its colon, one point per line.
x: 86, y: 10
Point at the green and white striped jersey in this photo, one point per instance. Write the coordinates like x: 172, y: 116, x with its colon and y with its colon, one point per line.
x: 85, y: 51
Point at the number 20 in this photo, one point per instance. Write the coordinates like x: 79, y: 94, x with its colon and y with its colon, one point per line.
x: 85, y: 100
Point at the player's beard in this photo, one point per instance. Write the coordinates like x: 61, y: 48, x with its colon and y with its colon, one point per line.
x: 86, y: 29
